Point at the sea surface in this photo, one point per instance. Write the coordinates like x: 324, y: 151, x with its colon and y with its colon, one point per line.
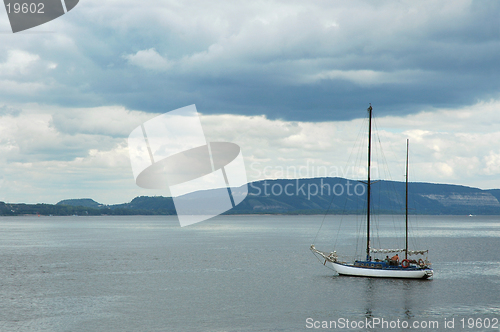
x: 239, y: 273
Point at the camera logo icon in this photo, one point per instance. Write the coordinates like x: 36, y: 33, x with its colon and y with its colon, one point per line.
x: 26, y: 14
x: 205, y: 178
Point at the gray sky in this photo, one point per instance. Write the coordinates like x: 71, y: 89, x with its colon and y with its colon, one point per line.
x: 287, y: 80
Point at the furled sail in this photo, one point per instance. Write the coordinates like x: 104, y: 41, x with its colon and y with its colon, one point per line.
x: 410, y: 252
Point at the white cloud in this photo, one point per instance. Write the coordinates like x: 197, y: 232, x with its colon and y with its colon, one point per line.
x: 149, y: 59
x: 294, y: 60
x: 492, y: 163
x: 53, y: 154
x: 446, y: 151
x: 366, y: 77
x: 18, y: 62
x: 22, y: 74
x: 114, y: 121
x: 482, y: 117
x: 20, y: 89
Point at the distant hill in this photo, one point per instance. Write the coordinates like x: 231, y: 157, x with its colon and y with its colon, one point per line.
x: 85, y: 202
x: 300, y: 196
x: 306, y: 196
x: 139, y: 205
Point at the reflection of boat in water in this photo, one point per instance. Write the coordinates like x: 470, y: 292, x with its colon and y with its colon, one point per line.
x: 375, y: 267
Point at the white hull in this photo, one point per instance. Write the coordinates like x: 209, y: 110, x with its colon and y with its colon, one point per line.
x: 349, y: 270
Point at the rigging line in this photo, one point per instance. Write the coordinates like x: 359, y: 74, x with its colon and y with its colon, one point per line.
x: 333, y: 196
x: 381, y: 151
x: 375, y: 157
x: 388, y: 175
x: 322, y: 222
x: 360, y: 148
x: 415, y: 206
x: 360, y: 221
x: 360, y: 160
x: 357, y: 147
x: 384, y: 158
x: 316, y: 255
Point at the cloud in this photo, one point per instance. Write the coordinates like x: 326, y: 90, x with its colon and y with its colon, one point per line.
x: 112, y: 121
x: 367, y: 77
x: 18, y: 62
x: 52, y: 154
x: 42, y: 162
x: 6, y: 110
x: 288, y: 81
x: 314, y: 61
x: 456, y: 146
x: 20, y: 89
x: 492, y: 164
x: 148, y: 59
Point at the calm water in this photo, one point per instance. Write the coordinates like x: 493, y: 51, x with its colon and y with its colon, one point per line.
x: 233, y: 273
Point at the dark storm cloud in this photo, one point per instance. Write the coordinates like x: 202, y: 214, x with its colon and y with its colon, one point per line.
x: 308, y: 61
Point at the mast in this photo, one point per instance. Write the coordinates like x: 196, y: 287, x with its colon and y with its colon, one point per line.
x: 368, y: 184
x: 406, y: 247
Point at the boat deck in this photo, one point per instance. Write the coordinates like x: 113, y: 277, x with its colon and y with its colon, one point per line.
x: 382, y: 269
x: 384, y: 265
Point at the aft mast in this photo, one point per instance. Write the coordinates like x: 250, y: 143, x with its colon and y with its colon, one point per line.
x: 368, y: 258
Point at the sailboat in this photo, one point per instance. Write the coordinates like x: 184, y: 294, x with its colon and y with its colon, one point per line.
x: 379, y: 268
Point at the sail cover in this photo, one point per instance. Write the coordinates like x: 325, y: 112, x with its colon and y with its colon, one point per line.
x: 410, y: 252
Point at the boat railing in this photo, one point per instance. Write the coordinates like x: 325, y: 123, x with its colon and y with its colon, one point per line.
x: 331, y: 257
